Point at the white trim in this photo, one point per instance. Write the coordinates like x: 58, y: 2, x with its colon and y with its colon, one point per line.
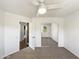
x: 72, y: 52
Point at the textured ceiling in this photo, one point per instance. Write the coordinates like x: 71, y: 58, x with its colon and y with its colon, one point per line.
x: 26, y: 8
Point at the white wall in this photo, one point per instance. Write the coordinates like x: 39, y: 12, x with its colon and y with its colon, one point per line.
x: 40, y: 20
x: 54, y: 31
x: 1, y: 34
x: 48, y: 32
x: 71, y: 32
x: 12, y: 32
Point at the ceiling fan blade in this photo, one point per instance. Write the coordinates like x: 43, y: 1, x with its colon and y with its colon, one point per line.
x: 53, y: 6
x: 41, y: 1
x: 35, y: 2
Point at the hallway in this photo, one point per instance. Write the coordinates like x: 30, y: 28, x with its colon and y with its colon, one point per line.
x: 49, y: 50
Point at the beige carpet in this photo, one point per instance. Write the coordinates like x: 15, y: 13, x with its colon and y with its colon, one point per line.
x: 49, y: 50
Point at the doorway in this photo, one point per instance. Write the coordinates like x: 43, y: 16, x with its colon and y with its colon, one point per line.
x: 24, y: 35
x: 45, y: 34
x: 49, y: 33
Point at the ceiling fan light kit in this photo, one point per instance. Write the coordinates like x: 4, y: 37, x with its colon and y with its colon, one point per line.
x: 42, y: 9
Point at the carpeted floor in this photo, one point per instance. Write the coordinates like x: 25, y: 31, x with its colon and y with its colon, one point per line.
x: 49, y: 50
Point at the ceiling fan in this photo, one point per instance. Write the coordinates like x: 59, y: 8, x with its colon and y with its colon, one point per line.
x: 42, y: 7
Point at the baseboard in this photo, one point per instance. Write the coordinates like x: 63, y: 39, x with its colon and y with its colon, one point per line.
x: 32, y: 48
x: 2, y: 57
x: 72, y: 52
x: 60, y: 45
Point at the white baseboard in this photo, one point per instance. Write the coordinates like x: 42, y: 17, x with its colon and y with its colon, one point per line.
x: 2, y: 57
x: 72, y: 52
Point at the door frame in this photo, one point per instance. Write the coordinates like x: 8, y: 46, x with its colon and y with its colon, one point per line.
x: 27, y: 25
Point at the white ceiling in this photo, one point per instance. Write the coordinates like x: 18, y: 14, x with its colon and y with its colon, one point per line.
x: 26, y: 8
